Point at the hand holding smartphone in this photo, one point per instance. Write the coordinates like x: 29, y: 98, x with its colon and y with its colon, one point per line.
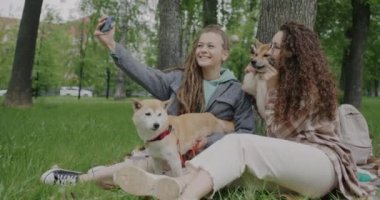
x: 107, y: 25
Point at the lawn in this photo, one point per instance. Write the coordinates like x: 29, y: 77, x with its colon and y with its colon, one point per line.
x: 79, y: 134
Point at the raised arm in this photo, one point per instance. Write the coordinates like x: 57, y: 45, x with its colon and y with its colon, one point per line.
x: 154, y: 81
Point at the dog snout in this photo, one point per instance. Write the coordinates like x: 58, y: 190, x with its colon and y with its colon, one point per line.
x: 156, y: 126
x: 257, y: 64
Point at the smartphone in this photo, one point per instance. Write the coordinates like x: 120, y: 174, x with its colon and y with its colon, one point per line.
x: 107, y: 25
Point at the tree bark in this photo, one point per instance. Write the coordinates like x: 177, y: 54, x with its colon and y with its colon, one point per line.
x: 274, y: 13
x: 210, y: 12
x: 120, y: 93
x: 354, y: 67
x: 169, y: 34
x: 120, y: 88
x: 345, y: 63
x: 19, y: 91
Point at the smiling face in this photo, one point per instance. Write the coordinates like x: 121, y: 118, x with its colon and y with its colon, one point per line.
x: 209, y: 51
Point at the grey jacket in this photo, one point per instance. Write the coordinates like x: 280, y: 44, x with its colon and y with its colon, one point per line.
x: 228, y: 102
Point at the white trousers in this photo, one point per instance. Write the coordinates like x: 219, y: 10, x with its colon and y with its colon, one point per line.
x: 297, y: 167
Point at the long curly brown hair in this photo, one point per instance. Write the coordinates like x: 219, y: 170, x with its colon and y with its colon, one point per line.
x: 190, y: 94
x: 306, y: 83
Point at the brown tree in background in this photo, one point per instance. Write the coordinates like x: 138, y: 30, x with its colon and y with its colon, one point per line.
x: 352, y: 66
x: 120, y: 89
x: 169, y: 34
x: 19, y: 91
x: 274, y: 13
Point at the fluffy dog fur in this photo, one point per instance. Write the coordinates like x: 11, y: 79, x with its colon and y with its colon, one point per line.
x: 255, y: 83
x: 151, y: 120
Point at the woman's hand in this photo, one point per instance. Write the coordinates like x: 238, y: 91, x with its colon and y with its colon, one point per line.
x: 105, y: 38
x: 249, y: 69
x: 270, y: 73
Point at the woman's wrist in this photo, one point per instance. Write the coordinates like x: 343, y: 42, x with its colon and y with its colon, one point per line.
x: 111, y: 46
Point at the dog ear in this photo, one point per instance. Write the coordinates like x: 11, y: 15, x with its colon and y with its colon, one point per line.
x: 136, y: 104
x: 258, y: 43
x: 253, y: 49
x: 166, y: 104
x: 255, y: 46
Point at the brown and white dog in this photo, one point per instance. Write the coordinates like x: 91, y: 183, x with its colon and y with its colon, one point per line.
x: 257, y: 83
x: 168, y: 137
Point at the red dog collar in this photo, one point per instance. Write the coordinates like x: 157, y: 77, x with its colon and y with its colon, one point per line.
x: 162, y: 135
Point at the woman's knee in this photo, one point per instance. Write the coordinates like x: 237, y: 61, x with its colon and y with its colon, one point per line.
x: 243, y: 140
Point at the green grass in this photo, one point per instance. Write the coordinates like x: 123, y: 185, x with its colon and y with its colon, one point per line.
x: 79, y: 134
x: 371, y: 111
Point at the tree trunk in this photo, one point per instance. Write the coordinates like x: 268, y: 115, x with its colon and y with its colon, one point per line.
x: 354, y: 68
x: 108, y: 79
x: 120, y: 89
x: 82, y: 54
x: 345, y: 63
x: 120, y: 93
x: 20, y: 85
x: 169, y: 34
x: 210, y: 12
x: 274, y: 13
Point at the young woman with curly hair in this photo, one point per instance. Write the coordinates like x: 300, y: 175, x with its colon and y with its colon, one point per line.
x: 200, y: 85
x: 302, y: 154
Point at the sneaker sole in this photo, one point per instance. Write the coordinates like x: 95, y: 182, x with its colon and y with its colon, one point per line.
x: 138, y: 182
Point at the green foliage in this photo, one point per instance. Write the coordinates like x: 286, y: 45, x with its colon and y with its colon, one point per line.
x: 241, y: 24
x: 7, y: 49
x: 372, y: 59
x: 81, y: 134
x: 52, y: 55
x: 61, y: 53
x: 192, y: 22
x: 334, y: 20
x: 332, y: 25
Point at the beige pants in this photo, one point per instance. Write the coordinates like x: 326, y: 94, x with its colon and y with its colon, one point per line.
x: 297, y: 167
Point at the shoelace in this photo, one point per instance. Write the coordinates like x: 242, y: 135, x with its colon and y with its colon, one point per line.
x: 65, y: 178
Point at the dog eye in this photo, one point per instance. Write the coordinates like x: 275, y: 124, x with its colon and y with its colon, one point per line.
x: 159, y: 114
x: 147, y: 114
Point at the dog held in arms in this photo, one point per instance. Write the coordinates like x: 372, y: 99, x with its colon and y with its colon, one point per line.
x: 168, y: 137
x: 256, y: 81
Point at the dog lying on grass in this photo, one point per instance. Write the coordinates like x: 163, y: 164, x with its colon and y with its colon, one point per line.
x: 168, y: 137
x: 256, y: 82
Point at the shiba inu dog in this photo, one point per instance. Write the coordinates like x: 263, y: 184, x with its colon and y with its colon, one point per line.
x: 168, y: 137
x: 256, y: 83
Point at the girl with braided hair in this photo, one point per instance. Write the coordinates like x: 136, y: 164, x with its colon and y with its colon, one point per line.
x: 301, y: 153
x: 200, y: 85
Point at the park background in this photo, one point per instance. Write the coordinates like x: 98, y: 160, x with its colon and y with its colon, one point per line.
x: 43, y: 52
